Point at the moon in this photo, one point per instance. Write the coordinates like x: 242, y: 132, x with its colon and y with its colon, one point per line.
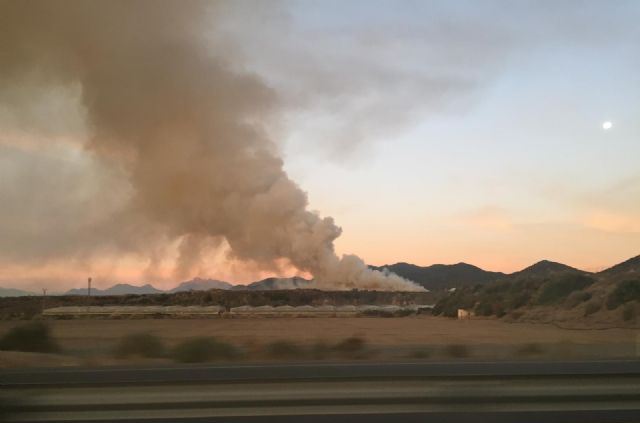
x: 607, y: 125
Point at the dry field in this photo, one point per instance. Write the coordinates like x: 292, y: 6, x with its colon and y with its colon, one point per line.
x: 391, y: 338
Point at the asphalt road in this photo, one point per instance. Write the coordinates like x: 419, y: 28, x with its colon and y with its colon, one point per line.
x: 588, y: 391
x: 311, y: 371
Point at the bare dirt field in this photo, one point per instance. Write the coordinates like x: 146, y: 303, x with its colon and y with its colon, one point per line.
x: 415, y: 336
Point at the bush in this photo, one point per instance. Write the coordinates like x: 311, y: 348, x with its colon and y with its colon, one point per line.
x: 558, y: 289
x: 498, y: 310
x: 629, y: 312
x: 577, y: 297
x: 283, y: 349
x: 457, y: 350
x: 516, y: 314
x: 497, y: 287
x: 350, y: 345
x: 140, y: 345
x: 377, y: 313
x: 592, y: 307
x: 420, y: 354
x: 484, y: 308
x: 198, y: 350
x: 320, y: 350
x: 403, y: 313
x: 626, y: 291
x: 32, y: 337
x: 528, y: 350
x: 449, y: 305
x: 518, y: 300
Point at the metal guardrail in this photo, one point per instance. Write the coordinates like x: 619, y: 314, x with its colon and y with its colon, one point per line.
x: 608, y: 391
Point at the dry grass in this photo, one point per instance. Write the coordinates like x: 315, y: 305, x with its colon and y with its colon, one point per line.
x: 398, y: 337
x: 382, y: 332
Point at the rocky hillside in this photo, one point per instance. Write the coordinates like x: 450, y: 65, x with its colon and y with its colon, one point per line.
x: 551, y: 292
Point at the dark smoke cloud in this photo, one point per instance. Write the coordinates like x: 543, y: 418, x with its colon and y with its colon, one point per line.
x: 179, y: 130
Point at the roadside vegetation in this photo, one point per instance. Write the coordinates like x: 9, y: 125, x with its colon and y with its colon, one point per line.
x: 626, y: 291
x: 203, y: 349
x: 140, y: 345
x: 30, y: 337
x: 562, y: 291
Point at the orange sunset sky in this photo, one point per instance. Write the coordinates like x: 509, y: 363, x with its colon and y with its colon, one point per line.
x: 430, y: 133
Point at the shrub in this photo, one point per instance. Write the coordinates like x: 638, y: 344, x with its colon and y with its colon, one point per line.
x: 629, y: 312
x: 518, y: 300
x: 626, y: 291
x: 32, y: 337
x: 350, y: 345
x: 516, y: 314
x: 592, y: 307
x: 198, y: 350
x: 420, y: 354
x: 497, y: 287
x: 141, y: 345
x: 528, y: 350
x: 403, y: 313
x: 484, y: 308
x: 449, y: 305
x: 577, y: 297
x: 377, y: 313
x: 320, y: 350
x: 557, y: 289
x: 283, y: 349
x: 456, y: 350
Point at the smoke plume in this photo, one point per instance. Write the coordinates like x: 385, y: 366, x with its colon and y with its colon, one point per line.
x: 185, y: 126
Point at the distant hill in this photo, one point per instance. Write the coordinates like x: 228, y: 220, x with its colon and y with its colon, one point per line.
x: 630, y: 267
x: 271, y: 284
x: 119, y: 289
x: 434, y: 278
x: 442, y: 276
x: 447, y: 276
x: 199, y: 284
x: 545, y: 268
x: 553, y: 292
x: 11, y: 292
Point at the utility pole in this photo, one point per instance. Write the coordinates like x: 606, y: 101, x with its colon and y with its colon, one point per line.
x: 88, y: 293
x: 44, y: 298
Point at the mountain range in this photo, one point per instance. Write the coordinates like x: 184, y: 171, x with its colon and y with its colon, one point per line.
x: 440, y: 276
x: 119, y: 289
x: 435, y: 277
x: 271, y: 284
x: 11, y: 292
x: 199, y: 284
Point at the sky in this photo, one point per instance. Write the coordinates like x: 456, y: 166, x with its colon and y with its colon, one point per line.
x: 431, y: 131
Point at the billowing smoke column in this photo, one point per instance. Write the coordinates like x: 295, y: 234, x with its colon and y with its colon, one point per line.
x: 185, y: 125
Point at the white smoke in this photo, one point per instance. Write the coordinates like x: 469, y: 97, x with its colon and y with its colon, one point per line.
x: 184, y: 126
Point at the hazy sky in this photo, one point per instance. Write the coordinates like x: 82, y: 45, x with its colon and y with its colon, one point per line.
x: 469, y: 131
x: 431, y: 131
